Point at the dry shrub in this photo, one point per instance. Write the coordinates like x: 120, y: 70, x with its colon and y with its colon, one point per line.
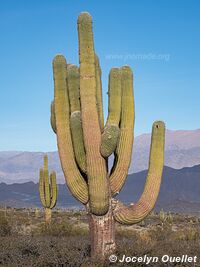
x: 5, y: 227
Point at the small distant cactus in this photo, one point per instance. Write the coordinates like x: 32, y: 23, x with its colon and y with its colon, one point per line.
x: 48, y: 190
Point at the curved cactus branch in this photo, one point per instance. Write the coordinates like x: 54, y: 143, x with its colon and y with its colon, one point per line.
x: 53, y: 118
x: 54, y: 189
x: 74, y: 179
x: 138, y: 211
x: 46, y: 182
x: 96, y: 167
x: 77, y: 138
x: 75, y: 118
x: 125, y: 142
x: 111, y: 130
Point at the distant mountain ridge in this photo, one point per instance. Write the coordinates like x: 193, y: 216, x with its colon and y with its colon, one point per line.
x: 182, y: 149
x: 179, y: 192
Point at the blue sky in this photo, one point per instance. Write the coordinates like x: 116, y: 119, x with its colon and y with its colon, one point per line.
x: 160, y: 40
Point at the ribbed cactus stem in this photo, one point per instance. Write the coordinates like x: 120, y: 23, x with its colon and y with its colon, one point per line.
x: 138, y: 211
x: 96, y: 167
x: 77, y: 139
x: 44, y: 184
x: 125, y: 142
x: 41, y: 188
x: 73, y: 83
x: 45, y: 162
x: 111, y: 130
x: 54, y: 189
x: 47, y: 192
x: 75, y: 181
x: 99, y: 92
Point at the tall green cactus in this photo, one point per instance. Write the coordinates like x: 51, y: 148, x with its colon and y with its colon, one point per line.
x: 84, y: 143
x: 48, y: 190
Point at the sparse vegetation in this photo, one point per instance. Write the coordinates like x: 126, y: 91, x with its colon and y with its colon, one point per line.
x: 27, y: 241
x: 165, y: 217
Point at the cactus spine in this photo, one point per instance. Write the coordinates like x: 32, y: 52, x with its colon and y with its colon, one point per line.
x: 48, y: 190
x: 84, y: 143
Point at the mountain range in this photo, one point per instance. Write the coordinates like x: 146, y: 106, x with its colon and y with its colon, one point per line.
x: 182, y: 149
x: 180, y: 192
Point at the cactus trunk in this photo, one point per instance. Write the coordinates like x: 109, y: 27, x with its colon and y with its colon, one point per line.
x: 102, y: 235
x: 47, y: 216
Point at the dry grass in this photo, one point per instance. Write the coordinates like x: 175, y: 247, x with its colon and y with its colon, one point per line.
x: 26, y: 241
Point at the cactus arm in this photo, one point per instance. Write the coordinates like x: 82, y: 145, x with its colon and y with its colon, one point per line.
x: 75, y: 118
x: 77, y: 139
x: 47, y: 193
x: 53, y: 118
x: 54, y: 190
x: 75, y: 181
x: 46, y: 162
x: 138, y: 211
x: 47, y: 188
x: 96, y: 167
x: 73, y: 85
x: 111, y: 130
x: 125, y: 142
x: 41, y: 188
x: 99, y: 92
